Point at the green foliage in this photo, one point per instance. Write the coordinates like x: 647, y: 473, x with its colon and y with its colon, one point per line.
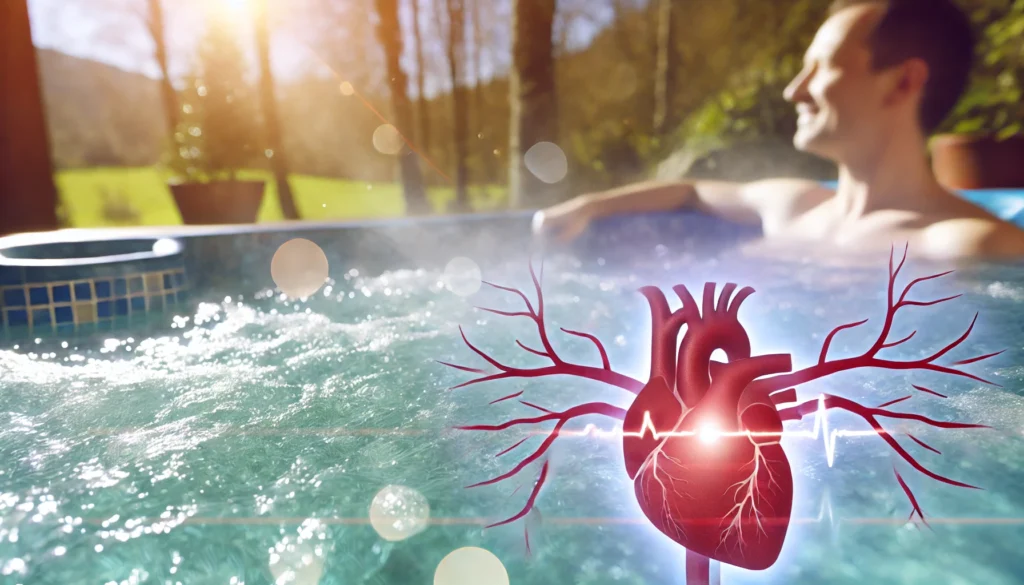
x: 219, y: 133
x: 732, y: 59
x: 993, y: 102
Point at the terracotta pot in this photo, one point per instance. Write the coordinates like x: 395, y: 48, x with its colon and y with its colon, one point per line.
x: 978, y: 161
x: 218, y: 202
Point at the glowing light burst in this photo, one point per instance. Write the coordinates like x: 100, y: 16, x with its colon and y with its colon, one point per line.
x: 708, y: 434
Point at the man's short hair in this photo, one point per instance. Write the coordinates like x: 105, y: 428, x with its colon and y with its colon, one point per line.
x: 935, y: 31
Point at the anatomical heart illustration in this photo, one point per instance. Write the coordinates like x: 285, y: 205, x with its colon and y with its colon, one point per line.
x: 701, y: 438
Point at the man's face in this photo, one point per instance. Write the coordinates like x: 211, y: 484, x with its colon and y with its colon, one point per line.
x: 839, y: 97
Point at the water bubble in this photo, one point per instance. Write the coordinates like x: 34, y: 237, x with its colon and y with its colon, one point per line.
x: 470, y: 566
x: 399, y: 512
x: 547, y: 162
x: 462, y: 276
x: 299, y: 268
x: 296, y: 562
x: 387, y: 140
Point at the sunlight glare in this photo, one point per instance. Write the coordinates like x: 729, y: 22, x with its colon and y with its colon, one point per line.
x: 236, y: 6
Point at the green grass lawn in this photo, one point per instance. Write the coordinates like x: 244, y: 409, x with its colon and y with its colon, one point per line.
x: 103, y: 197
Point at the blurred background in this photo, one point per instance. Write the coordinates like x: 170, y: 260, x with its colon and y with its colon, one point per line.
x: 349, y: 109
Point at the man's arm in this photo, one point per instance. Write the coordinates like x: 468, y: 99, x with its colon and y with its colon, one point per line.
x: 738, y: 202
x: 759, y: 202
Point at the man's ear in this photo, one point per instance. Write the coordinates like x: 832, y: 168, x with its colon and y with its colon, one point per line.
x: 910, y: 79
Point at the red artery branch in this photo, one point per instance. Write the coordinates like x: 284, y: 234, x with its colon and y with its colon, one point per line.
x: 558, y: 366
x: 870, y: 359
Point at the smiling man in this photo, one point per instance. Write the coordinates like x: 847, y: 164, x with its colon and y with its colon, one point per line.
x: 878, y: 79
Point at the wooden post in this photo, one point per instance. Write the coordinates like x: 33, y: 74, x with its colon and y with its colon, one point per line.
x: 28, y: 196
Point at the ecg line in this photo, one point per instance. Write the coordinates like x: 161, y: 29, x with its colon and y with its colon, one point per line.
x: 820, y: 430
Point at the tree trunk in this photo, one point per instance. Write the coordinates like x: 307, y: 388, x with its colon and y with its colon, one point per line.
x: 663, y: 73
x: 155, y: 24
x: 479, y: 106
x: 421, y: 97
x: 460, y: 115
x: 28, y: 197
x: 532, y: 99
x: 389, y: 32
x: 271, y: 120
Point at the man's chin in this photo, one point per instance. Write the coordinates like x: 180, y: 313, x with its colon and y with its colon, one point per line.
x: 809, y: 144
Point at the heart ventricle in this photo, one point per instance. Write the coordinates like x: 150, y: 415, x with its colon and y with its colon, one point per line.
x: 710, y: 480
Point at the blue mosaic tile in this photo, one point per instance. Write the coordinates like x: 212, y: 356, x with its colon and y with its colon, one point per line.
x: 17, y: 318
x: 104, y: 309
x: 83, y: 296
x: 14, y: 297
x: 38, y: 295
x: 64, y: 315
x: 102, y: 289
x: 40, y: 317
x: 62, y: 293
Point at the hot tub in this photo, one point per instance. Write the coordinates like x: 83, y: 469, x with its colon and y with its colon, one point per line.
x: 253, y: 436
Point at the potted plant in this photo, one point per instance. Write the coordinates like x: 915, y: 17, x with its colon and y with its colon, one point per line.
x: 218, y: 138
x: 983, y: 146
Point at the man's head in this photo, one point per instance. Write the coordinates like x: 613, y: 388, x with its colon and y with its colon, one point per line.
x: 880, y: 67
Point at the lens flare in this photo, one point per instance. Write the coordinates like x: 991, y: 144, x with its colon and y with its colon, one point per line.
x: 471, y: 566
x: 299, y: 268
x: 387, y: 140
x: 547, y: 162
x: 398, y: 513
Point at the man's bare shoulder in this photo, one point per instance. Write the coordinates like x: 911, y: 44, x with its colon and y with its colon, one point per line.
x: 981, y: 236
x: 780, y: 200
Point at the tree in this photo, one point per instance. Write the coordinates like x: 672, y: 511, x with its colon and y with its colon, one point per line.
x: 456, y: 50
x: 389, y: 31
x: 665, y: 66
x: 532, y: 98
x: 28, y: 197
x: 421, y: 96
x: 271, y: 120
x: 155, y: 25
x: 218, y: 135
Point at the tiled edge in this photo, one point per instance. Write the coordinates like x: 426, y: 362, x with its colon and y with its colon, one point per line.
x: 82, y: 304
